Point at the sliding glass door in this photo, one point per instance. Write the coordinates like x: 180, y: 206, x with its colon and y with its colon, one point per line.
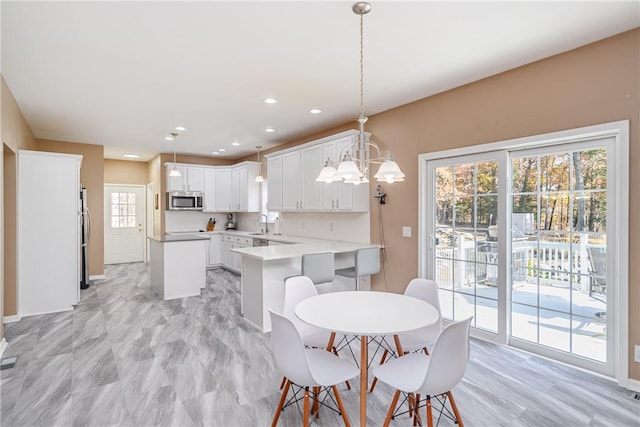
x: 519, y: 239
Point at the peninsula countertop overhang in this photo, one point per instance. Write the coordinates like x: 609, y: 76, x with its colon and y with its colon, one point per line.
x: 299, y: 246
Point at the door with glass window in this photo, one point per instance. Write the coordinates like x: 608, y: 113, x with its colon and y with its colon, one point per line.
x: 559, y: 286
x: 124, y: 215
x: 518, y: 240
x: 464, y: 239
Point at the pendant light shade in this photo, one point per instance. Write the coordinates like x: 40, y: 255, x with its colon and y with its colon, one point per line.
x: 355, y: 164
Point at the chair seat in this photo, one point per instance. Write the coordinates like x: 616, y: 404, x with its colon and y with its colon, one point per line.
x: 314, y: 337
x: 405, y: 373
x: 347, y: 272
x: 328, y: 369
x: 417, y: 340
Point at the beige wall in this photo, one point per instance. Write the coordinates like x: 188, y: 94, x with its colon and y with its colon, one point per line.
x: 16, y: 135
x: 598, y: 83
x: 91, y: 177
x: 125, y: 172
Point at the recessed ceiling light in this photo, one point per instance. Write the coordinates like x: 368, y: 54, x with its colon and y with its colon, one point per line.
x: 235, y: 143
x: 131, y: 156
x: 270, y: 101
x: 181, y: 128
x: 222, y: 150
x: 269, y: 129
x: 215, y: 152
x: 169, y: 138
x: 315, y: 111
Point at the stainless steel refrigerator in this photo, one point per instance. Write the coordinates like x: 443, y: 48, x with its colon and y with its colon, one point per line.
x: 85, y: 236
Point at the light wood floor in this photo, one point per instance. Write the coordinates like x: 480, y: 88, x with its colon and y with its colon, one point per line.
x: 125, y: 357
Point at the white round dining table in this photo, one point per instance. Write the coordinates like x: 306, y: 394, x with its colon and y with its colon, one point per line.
x: 366, y: 313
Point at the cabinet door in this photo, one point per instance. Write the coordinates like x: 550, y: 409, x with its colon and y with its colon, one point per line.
x: 235, y: 189
x: 274, y: 183
x: 310, y: 189
x: 229, y: 257
x: 252, y: 188
x: 177, y: 183
x: 194, y: 178
x: 329, y: 193
x: 344, y: 192
x: 243, y: 183
x: 223, y: 190
x: 291, y: 181
x: 215, y: 250
x: 209, y: 190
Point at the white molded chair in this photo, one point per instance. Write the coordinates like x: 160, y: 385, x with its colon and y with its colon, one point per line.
x: 320, y: 267
x: 306, y: 368
x: 420, y: 339
x: 366, y: 263
x: 296, y: 289
x: 430, y: 376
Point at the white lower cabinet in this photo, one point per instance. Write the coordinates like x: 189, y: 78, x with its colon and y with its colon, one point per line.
x: 215, y: 250
x: 232, y: 260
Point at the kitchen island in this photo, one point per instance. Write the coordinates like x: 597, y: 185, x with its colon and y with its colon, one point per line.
x: 178, y: 265
x: 264, y: 270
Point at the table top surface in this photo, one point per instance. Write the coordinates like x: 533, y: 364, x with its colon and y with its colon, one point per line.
x: 366, y: 312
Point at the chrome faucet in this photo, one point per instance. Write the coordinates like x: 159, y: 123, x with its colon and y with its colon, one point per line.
x: 266, y: 222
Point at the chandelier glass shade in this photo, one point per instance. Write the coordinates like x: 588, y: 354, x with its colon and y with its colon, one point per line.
x: 355, y: 160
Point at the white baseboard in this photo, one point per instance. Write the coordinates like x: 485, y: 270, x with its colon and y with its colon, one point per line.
x: 12, y: 319
x: 3, y: 346
x: 97, y: 277
x: 633, y: 385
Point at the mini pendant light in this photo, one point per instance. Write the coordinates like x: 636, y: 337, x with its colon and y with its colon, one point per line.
x: 259, y: 178
x: 174, y: 172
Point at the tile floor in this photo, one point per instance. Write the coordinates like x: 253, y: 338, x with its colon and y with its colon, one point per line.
x: 125, y: 357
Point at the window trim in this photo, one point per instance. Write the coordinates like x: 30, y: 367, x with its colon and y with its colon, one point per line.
x: 618, y: 130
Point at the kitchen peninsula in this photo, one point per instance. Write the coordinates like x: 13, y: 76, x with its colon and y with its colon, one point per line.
x: 265, y: 268
x: 178, y: 265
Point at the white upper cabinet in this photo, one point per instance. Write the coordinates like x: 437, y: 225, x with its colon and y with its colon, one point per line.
x: 245, y: 191
x: 274, y: 184
x: 223, y: 190
x: 292, y: 185
x: 209, y: 190
x: 191, y: 178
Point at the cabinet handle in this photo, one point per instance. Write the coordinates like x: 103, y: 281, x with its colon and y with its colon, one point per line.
x: 338, y: 204
x: 333, y: 204
x: 300, y: 205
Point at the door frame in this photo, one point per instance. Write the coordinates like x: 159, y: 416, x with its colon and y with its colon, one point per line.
x: 619, y: 231
x: 144, y: 213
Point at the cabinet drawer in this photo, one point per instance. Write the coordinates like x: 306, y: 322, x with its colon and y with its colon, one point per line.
x: 239, y: 239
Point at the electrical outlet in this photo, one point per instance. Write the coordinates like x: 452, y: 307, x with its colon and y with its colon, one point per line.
x: 636, y: 355
x: 406, y: 231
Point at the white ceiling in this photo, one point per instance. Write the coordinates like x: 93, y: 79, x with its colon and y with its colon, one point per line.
x: 124, y: 74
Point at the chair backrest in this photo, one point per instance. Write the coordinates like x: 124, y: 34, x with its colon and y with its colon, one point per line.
x: 367, y: 261
x: 288, y: 350
x: 296, y: 289
x: 598, y: 261
x: 426, y: 290
x: 449, y: 359
x: 320, y: 267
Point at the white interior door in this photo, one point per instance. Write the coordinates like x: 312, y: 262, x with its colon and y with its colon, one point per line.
x: 124, y: 225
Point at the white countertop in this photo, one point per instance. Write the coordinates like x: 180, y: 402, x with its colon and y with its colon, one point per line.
x: 168, y: 238
x: 298, y: 247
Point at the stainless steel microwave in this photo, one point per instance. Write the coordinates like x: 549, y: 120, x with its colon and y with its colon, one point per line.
x: 184, y: 201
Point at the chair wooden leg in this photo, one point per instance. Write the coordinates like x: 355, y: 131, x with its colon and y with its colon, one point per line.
x: 343, y: 412
x: 375, y: 380
x: 429, y: 412
x: 392, y: 408
x: 455, y: 409
x: 315, y: 406
x: 287, y: 384
x: 305, y: 416
x: 416, y: 412
x: 284, y: 380
x: 426, y: 350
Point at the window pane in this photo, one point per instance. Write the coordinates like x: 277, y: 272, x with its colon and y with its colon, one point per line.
x: 115, y: 210
x: 591, y: 167
x: 444, y: 210
x: 524, y: 323
x: 554, y: 172
x: 464, y: 211
x: 487, y: 211
x: 131, y: 221
x: 115, y: 222
x: 115, y: 198
x: 589, y: 337
x: 524, y: 171
x: 465, y: 175
x: 554, y: 211
x: 131, y: 198
x: 487, y: 177
x: 131, y: 209
x: 487, y: 314
x: 555, y: 330
x: 590, y: 212
x: 446, y: 304
x: 123, y: 198
x: 444, y: 181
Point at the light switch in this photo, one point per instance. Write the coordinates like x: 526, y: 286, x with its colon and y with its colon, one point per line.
x: 406, y: 231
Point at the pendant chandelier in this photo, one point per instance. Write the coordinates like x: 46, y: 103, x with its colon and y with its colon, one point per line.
x: 355, y: 161
x: 175, y: 172
x: 259, y: 178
